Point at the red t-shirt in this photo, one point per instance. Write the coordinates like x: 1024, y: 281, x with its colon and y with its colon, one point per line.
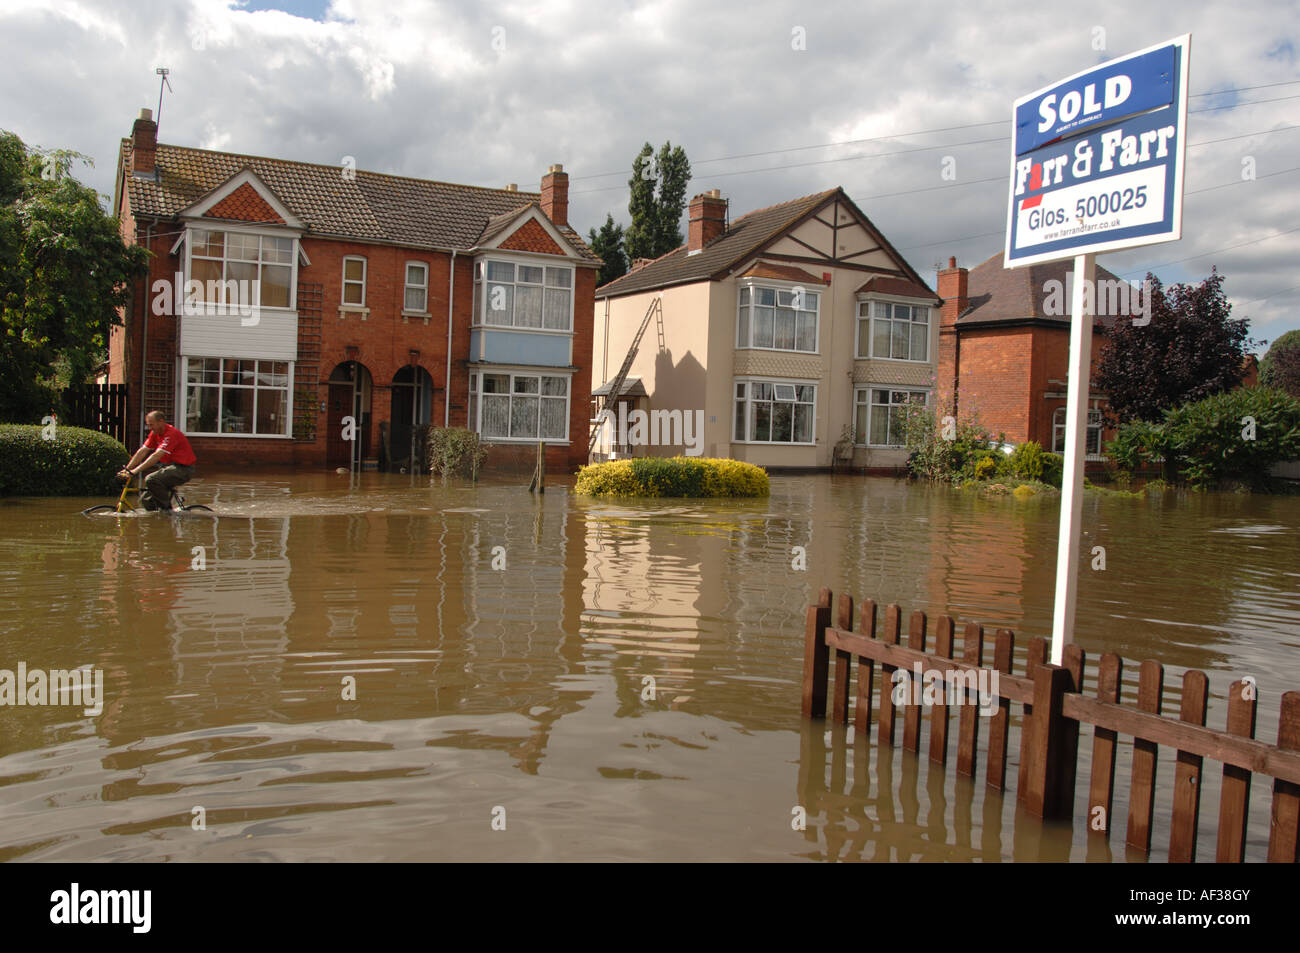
x: 176, y: 449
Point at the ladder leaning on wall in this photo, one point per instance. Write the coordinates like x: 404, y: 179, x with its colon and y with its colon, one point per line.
x: 655, y: 310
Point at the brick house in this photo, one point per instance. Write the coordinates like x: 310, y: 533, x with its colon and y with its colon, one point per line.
x: 285, y: 296
x: 784, y: 328
x: 1004, y: 340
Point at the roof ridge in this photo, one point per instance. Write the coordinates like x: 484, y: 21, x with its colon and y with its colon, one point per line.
x: 768, y: 208
x: 322, y: 165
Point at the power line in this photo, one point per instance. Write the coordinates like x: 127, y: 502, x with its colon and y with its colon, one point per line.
x: 1179, y: 261
x: 923, y: 132
x: 1242, y: 304
x: 878, y: 155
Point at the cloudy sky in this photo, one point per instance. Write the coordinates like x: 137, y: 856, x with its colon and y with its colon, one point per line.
x: 771, y: 100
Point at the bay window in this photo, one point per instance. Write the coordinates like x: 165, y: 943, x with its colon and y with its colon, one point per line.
x: 516, y: 406
x: 777, y: 318
x: 238, y: 268
x: 774, y: 412
x: 236, y: 396
x: 899, y: 332
x: 512, y: 294
x: 879, y: 415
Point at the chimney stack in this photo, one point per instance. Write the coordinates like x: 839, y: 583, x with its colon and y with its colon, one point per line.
x: 555, y: 195
x: 953, y: 285
x: 144, y: 144
x: 708, y: 220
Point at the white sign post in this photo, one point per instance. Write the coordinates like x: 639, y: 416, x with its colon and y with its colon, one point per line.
x: 1096, y: 165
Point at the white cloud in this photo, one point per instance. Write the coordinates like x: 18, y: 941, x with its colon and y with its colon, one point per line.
x: 418, y: 88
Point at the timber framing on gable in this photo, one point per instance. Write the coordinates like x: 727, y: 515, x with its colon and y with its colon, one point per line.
x: 837, y: 234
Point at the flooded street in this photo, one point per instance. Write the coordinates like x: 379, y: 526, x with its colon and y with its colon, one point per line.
x: 612, y: 680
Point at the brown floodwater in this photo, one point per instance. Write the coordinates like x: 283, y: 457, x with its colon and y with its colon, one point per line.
x: 605, y: 680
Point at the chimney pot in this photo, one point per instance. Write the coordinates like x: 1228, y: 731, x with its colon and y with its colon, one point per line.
x: 952, y: 261
x: 512, y: 187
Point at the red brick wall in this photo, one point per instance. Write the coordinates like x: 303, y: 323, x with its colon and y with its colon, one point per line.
x: 952, y: 284
x: 995, y: 379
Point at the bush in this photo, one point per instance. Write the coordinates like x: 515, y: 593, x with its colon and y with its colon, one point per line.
x: 76, y: 462
x: 1025, y: 462
x: 986, y: 465
x: 1212, y: 441
x: 673, y: 477
x: 1138, y: 444
x: 936, y: 458
x: 455, y: 451
x: 1053, y: 469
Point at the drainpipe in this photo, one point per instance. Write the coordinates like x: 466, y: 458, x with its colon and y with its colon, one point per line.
x: 451, y: 298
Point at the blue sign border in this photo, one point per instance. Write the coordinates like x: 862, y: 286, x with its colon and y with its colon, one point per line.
x: 1163, y: 71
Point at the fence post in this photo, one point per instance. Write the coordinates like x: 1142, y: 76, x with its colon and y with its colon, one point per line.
x: 816, y: 657
x: 1284, y: 825
x: 1044, y: 795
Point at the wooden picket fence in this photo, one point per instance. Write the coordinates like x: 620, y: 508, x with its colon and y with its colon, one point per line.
x: 1054, y: 708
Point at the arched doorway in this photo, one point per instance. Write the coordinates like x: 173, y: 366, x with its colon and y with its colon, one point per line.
x: 349, y: 396
x: 412, y: 402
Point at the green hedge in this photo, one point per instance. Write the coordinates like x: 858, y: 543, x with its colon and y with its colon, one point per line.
x: 75, y: 462
x: 673, y: 477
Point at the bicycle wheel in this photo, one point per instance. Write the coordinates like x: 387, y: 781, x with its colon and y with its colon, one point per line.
x: 99, y: 509
x: 196, y: 508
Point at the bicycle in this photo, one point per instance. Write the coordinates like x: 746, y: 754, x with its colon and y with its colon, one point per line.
x: 124, y: 504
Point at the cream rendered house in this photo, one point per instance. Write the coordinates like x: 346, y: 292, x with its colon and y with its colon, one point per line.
x: 781, y: 329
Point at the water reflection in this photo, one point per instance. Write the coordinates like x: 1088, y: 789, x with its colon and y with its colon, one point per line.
x: 504, y: 647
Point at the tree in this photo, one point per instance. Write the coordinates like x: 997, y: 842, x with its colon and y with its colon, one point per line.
x: 1191, y: 349
x: 1281, y: 365
x: 64, y: 272
x: 608, y: 244
x: 658, y: 199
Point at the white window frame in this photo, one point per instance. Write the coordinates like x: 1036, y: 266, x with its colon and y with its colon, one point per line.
x: 1095, y: 424
x: 222, y: 387
x: 343, y: 291
x: 862, y: 398
x: 869, y: 303
x: 474, y: 413
x: 483, y: 290
x: 189, y: 238
x: 423, y: 288
x: 748, y: 398
x: 746, y: 320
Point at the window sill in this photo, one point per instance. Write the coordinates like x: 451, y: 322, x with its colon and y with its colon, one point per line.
x: 895, y: 360
x: 509, y: 327
x: 239, y: 436
x: 407, y: 315
x: 526, y: 441
x: 777, y: 350
x: 346, y: 309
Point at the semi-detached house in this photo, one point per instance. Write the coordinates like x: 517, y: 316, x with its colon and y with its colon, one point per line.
x: 788, y: 328
x: 284, y: 297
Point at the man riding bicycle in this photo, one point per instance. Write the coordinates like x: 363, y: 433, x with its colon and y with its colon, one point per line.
x: 173, y: 457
